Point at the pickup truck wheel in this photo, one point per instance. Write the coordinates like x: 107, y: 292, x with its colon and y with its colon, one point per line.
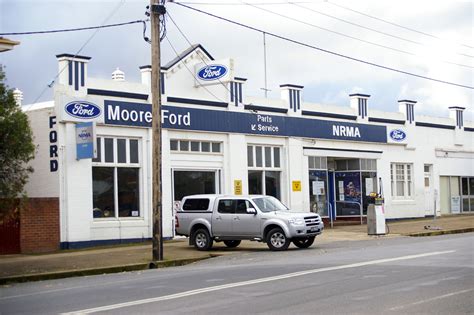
x: 202, y: 240
x: 304, y: 242
x: 232, y: 244
x: 277, y: 240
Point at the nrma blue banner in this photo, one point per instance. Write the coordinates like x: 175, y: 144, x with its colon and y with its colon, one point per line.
x: 134, y: 114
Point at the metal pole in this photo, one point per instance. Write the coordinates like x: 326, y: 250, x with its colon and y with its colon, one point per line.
x: 265, y: 63
x: 155, y: 11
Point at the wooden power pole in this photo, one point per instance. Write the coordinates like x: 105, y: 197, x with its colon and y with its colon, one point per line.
x: 156, y: 10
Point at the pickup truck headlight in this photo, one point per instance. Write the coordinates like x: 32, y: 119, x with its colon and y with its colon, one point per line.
x: 296, y: 221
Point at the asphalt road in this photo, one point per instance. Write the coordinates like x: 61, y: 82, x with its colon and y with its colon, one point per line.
x: 432, y: 275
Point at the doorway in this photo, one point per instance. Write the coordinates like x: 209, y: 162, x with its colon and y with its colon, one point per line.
x: 429, y: 191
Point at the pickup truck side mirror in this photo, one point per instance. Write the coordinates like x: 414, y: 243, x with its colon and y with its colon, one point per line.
x: 251, y: 211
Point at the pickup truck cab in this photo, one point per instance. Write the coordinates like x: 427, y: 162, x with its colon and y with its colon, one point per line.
x: 208, y: 218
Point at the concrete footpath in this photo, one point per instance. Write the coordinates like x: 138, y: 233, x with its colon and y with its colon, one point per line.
x: 69, y: 263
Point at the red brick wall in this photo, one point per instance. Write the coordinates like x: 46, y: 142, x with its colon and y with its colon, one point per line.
x: 39, y: 226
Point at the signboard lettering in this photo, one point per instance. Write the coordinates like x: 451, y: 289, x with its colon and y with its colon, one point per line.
x: 53, y: 147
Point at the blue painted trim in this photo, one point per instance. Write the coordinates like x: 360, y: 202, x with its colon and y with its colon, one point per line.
x: 231, y: 91
x: 469, y: 129
x: 386, y: 121
x: 117, y: 94
x: 162, y: 82
x: 73, y: 56
x: 76, y: 75
x: 358, y: 94
x: 69, y: 68
x: 343, y: 150
x: 266, y: 109
x: 292, y: 86
x: 240, y: 79
x: 457, y: 107
x: 407, y: 101
x: 195, y: 102
x: 422, y: 124
x: 82, y: 74
x: 240, y: 92
x: 329, y: 115
x: 86, y: 244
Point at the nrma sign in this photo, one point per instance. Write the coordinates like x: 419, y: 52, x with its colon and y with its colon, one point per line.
x: 82, y: 110
x: 212, y: 72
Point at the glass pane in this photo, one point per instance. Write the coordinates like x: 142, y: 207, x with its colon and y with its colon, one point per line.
x: 183, y: 145
x: 226, y: 206
x: 193, y: 182
x: 241, y: 206
x: 133, y: 151
x: 341, y: 165
x: 109, y: 150
x: 465, y: 187
x: 258, y: 156
x: 317, y: 162
x: 103, y: 192
x: 318, y: 192
x: 311, y: 162
x: 249, y: 156
x: 99, y: 151
x: 272, y: 184
x: 255, y: 183
x: 121, y: 151
x: 205, y: 146
x: 427, y: 168
x: 465, y: 205
x: 427, y: 182
x: 324, y: 163
x: 174, y: 145
x: 400, y: 189
x: 363, y: 164
x: 268, y: 157
x: 369, y: 185
x: 471, y: 186
x: 348, y: 193
x: 353, y: 164
x: 196, y: 204
x: 276, y: 157
x: 472, y: 204
x: 195, y: 146
x: 216, y: 147
x: 128, y: 192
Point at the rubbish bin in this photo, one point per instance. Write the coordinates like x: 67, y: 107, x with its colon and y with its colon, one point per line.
x: 376, y: 217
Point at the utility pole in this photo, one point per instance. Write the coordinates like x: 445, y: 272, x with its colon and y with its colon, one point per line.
x: 156, y: 11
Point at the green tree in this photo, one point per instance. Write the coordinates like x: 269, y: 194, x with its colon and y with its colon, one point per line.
x: 16, y: 148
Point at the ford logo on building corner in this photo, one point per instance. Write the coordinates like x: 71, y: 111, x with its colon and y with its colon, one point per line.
x: 82, y: 110
x: 398, y: 135
x: 212, y: 72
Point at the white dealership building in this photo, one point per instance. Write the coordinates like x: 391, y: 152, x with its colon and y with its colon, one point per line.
x: 216, y: 139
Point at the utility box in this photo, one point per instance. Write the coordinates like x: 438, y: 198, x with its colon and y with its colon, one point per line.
x: 376, y: 218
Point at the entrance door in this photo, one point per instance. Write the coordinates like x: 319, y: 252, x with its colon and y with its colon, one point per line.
x: 429, y: 192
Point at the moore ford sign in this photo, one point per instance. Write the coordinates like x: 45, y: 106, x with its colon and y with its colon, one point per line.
x: 82, y: 110
x: 212, y: 72
x: 134, y: 114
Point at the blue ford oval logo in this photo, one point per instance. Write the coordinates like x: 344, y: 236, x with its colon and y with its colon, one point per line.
x: 398, y: 135
x: 83, y: 110
x: 212, y: 72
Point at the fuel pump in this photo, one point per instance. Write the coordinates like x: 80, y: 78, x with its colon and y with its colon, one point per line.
x: 376, y: 212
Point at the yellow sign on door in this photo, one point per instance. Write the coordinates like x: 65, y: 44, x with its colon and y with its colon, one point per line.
x: 237, y: 187
x: 296, y: 185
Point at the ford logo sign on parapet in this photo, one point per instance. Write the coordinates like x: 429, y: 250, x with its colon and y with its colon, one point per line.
x: 398, y: 135
x: 212, y: 72
x: 82, y: 110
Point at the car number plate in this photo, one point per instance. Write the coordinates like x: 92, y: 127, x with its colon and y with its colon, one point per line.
x: 314, y: 229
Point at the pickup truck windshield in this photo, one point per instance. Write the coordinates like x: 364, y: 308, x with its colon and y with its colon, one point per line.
x: 268, y: 204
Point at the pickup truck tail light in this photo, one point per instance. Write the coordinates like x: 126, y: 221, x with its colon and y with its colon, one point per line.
x: 176, y: 224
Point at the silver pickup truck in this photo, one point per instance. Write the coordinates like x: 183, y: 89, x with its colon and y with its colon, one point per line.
x: 208, y: 218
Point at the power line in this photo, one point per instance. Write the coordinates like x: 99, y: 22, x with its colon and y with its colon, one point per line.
x: 389, y: 22
x: 71, y: 29
x: 80, y: 49
x: 367, y: 28
x: 348, y: 36
x: 324, y: 50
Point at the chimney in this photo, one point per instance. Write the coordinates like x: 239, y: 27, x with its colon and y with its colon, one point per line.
x: 359, y: 103
x: 118, y: 75
x: 18, y: 96
x: 73, y: 70
x: 236, y: 96
x: 407, y: 107
x: 456, y: 113
x: 292, y: 94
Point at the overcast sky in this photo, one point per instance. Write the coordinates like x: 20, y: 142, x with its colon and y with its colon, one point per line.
x: 445, y: 53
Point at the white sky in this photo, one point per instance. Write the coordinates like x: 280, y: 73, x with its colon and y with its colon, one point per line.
x: 327, y: 79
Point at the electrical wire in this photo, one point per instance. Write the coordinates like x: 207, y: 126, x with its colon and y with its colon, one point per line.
x: 326, y: 50
x: 348, y: 36
x: 114, y: 11
x: 391, y: 23
x: 368, y: 28
x: 71, y: 29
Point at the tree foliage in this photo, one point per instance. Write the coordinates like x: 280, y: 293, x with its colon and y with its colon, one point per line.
x: 16, y: 147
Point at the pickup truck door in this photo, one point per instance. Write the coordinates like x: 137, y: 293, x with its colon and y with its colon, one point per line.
x: 223, y: 217
x: 245, y: 224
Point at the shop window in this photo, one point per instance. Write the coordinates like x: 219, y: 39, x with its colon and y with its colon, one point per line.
x: 195, y: 146
x: 401, y: 180
x: 116, y: 178
x: 467, y: 189
x: 264, y: 170
x: 193, y: 183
